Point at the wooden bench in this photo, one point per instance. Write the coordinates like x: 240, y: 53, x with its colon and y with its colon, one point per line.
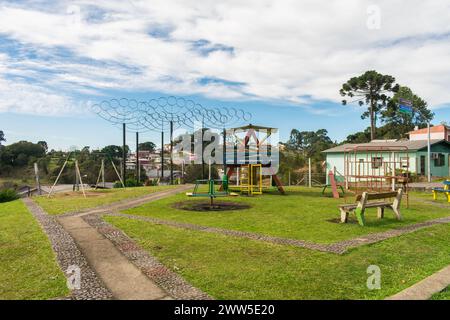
x: 445, y: 189
x: 363, y: 202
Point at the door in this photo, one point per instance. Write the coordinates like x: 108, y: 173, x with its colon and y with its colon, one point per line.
x: 422, y: 164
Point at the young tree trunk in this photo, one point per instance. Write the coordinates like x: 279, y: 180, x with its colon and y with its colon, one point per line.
x: 372, y: 120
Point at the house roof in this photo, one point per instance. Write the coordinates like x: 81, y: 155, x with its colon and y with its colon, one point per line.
x: 255, y: 127
x: 434, y: 129
x: 387, y: 145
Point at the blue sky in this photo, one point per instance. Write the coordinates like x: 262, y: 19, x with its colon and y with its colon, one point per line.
x: 283, y: 61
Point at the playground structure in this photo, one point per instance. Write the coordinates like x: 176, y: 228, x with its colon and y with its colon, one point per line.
x: 376, y: 169
x: 250, y: 162
x: 334, y: 182
x: 216, y: 188
x: 101, y: 175
x: 445, y: 190
x: 78, y: 184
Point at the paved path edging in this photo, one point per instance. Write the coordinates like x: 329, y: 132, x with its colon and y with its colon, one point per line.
x: 128, y: 203
x: 170, y: 281
x: 340, y: 247
x: 68, y: 254
x: 423, y: 290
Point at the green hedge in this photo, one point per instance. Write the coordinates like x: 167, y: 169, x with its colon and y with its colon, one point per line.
x: 8, y: 195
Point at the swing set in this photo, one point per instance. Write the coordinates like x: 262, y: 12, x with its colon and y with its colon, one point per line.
x: 78, y: 178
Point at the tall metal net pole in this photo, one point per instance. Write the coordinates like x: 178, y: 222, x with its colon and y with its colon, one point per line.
x: 138, y: 178
x: 124, y: 153
x: 171, y: 152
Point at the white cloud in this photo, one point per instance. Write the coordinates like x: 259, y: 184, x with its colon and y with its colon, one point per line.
x: 282, y: 50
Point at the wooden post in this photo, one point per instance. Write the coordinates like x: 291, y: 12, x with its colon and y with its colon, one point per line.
x: 103, y: 173
x: 289, y: 178
x: 77, y: 178
x: 78, y: 173
x: 309, y: 173
x: 182, y: 171
x: 38, y: 183
x: 59, y: 175
x: 118, y: 175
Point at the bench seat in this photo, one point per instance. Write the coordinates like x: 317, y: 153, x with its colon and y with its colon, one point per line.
x: 351, y: 207
x: 362, y: 203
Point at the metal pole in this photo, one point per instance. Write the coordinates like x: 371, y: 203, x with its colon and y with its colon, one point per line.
x: 429, y: 152
x: 162, y: 155
x: 171, y: 151
x: 138, y: 178
x: 224, y: 152
x: 124, y: 153
x: 203, y: 161
x: 38, y: 183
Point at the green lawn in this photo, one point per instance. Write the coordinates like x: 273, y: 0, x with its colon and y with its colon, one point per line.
x: 74, y: 201
x: 302, y: 214
x: 444, y: 295
x: 235, y: 268
x: 28, y: 269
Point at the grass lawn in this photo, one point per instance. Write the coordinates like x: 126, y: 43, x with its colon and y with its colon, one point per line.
x: 234, y: 268
x: 74, y: 201
x: 444, y: 295
x: 302, y: 214
x: 28, y: 269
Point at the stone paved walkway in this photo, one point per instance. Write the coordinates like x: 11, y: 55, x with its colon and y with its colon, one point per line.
x: 107, y: 270
x: 129, y: 203
x: 338, y: 247
x: 68, y: 254
x: 424, y: 289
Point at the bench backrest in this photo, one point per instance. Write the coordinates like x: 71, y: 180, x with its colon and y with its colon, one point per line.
x: 377, y: 196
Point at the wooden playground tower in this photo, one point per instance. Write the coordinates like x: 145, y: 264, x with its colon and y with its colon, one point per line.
x: 253, y: 174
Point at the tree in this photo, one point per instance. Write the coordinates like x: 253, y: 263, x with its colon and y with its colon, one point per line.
x: 310, y: 143
x: 2, y: 137
x: 44, y: 145
x: 19, y: 153
x: 371, y: 88
x: 114, y: 151
x: 147, y: 146
x: 404, y: 123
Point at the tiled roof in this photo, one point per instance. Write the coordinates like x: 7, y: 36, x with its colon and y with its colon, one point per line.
x: 393, y: 146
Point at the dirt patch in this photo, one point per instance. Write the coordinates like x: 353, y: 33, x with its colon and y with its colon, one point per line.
x: 204, y: 206
x: 338, y: 220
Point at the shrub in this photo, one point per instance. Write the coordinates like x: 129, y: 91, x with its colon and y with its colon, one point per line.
x: 8, y: 195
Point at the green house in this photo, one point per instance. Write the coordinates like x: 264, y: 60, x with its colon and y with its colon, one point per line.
x: 378, y: 155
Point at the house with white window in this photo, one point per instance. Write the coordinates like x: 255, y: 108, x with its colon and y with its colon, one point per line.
x: 410, y: 155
